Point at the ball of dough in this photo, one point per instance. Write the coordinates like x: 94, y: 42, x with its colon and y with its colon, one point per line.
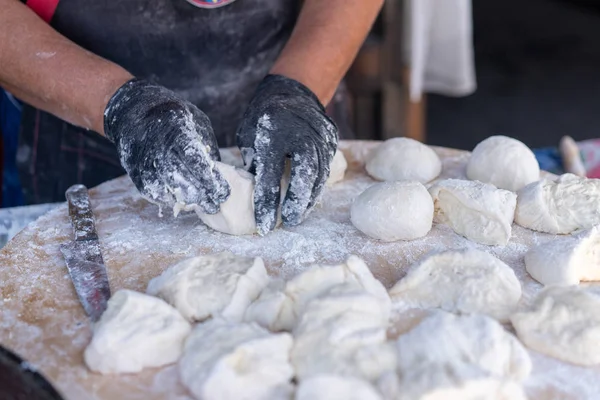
x: 391, y: 211
x: 404, y: 159
x: 136, y: 331
x: 563, y: 323
x: 337, y: 169
x: 479, y: 211
x: 567, y: 260
x: 559, y: 206
x: 336, y: 387
x: 504, y: 162
x: 462, y: 281
x: 217, y: 284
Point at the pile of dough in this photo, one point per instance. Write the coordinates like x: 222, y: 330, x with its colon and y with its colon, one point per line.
x: 564, y: 323
x: 136, y: 331
x: 566, y: 260
x: 559, y: 206
x: 466, y: 357
x: 343, y: 332
x: 228, y: 360
x: 504, y: 162
x: 218, y: 284
x: 337, y: 169
x: 476, y: 210
x: 463, y: 281
x: 403, y: 159
x: 391, y: 211
x: 281, y: 303
x: 335, y: 387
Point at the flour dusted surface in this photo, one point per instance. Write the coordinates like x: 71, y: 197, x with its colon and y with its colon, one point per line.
x: 41, y: 318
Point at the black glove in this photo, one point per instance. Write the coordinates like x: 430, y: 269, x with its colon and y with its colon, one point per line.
x: 166, y: 145
x: 286, y: 120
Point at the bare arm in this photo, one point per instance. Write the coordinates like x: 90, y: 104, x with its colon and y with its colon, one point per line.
x: 48, y: 71
x: 325, y: 41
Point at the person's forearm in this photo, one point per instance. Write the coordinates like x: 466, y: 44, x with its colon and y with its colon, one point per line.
x: 46, y: 70
x: 324, y: 43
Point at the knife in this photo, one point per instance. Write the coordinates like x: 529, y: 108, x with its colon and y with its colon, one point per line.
x: 83, y: 256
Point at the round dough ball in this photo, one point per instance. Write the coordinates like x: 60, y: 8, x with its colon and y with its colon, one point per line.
x: 404, y: 159
x: 337, y: 169
x: 391, y: 211
x: 504, y: 162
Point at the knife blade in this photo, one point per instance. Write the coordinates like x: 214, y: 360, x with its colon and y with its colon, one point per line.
x: 83, y: 255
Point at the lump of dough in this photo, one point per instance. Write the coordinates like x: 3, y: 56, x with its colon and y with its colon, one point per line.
x: 135, y: 332
x: 218, y: 284
x: 343, y: 332
x: 391, y: 211
x: 280, y: 303
x: 460, y: 281
x: 564, y: 323
x: 337, y: 169
x: 504, y: 162
x: 228, y: 360
x: 334, y: 387
x: 566, y: 260
x: 559, y: 206
x: 476, y: 210
x: 464, y: 357
x: 403, y: 159
x: 236, y: 216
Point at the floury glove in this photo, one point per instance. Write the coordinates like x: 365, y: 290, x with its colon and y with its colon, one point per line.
x: 166, y: 145
x: 286, y: 120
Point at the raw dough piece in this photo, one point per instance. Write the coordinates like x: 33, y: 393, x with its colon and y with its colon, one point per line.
x: 334, y: 387
x: 564, y: 323
x: 462, y: 357
x: 225, y: 360
x: 219, y: 284
x: 281, y: 303
x: 391, y: 211
x: 343, y: 332
x: 237, y: 213
x: 337, y: 169
x: 462, y: 281
x: 504, y: 162
x: 566, y: 260
x: 476, y: 210
x: 404, y: 159
x: 136, y: 331
x: 559, y: 206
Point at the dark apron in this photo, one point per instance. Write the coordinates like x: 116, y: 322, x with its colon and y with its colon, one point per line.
x: 214, y: 58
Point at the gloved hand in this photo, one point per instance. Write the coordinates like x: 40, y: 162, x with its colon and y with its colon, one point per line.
x: 166, y: 145
x: 286, y: 120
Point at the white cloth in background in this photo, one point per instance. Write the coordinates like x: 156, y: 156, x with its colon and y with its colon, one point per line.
x: 438, y: 43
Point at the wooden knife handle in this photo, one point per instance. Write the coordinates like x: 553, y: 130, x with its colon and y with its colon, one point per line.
x: 80, y: 211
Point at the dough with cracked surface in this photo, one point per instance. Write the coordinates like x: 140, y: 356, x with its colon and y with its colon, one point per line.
x: 218, y: 284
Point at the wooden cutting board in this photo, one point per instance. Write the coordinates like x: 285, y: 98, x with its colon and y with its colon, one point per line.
x: 42, y: 320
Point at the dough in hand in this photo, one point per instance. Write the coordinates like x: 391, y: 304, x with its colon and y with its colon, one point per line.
x: 464, y: 357
x: 218, y: 284
x: 404, y: 159
x: 236, y: 216
x: 135, y: 332
x: 564, y: 323
x: 566, y: 260
x: 504, y: 162
x: 227, y: 360
x: 460, y: 281
x: 476, y: 210
x: 335, y: 387
x: 559, y: 206
x: 337, y: 169
x: 391, y: 211
x: 281, y: 303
